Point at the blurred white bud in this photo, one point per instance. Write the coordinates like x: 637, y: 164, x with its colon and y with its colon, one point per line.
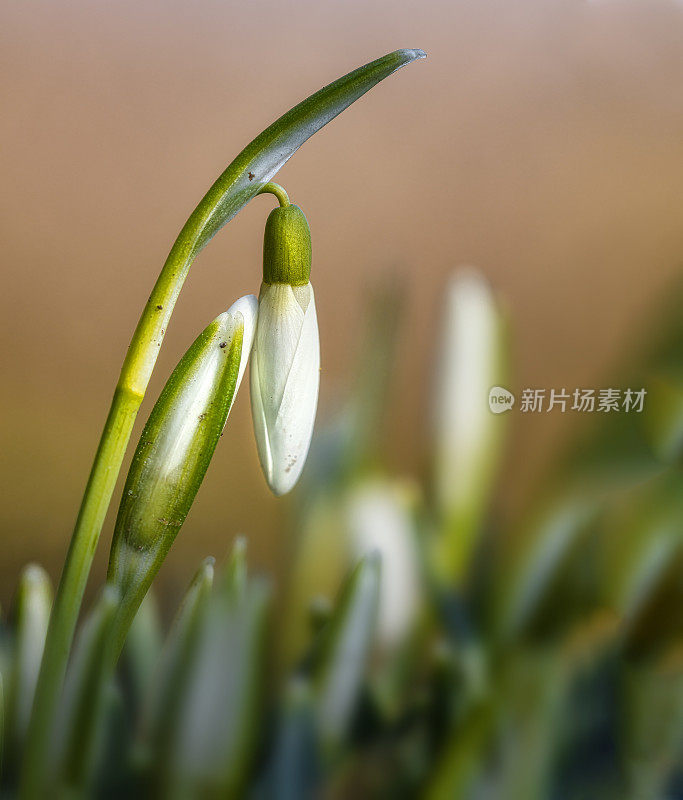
x: 379, y: 520
x: 285, y: 374
x: 466, y: 433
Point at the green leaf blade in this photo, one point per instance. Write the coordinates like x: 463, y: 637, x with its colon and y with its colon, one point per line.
x: 241, y: 181
x: 262, y: 158
x: 345, y: 650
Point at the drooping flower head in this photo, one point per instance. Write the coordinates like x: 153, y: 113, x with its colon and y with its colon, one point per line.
x: 285, y: 363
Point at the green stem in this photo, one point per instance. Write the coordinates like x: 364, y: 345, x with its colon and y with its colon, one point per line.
x: 67, y: 605
x: 130, y: 391
x: 278, y: 191
x: 250, y: 172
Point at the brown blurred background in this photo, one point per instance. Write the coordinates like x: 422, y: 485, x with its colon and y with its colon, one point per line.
x: 541, y: 141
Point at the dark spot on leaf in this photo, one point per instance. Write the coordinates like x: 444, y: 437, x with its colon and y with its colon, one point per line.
x: 159, y: 308
x: 223, y: 345
x: 251, y: 176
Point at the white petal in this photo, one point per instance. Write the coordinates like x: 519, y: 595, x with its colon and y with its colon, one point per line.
x: 285, y: 374
x: 277, y: 337
x: 293, y: 428
x: 241, y: 315
x: 247, y: 308
x: 258, y: 416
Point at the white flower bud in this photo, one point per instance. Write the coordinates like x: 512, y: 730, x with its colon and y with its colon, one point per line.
x: 379, y: 520
x: 467, y: 370
x: 467, y: 436
x: 285, y: 374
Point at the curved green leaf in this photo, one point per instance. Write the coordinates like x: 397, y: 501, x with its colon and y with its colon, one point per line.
x: 261, y: 159
x: 82, y: 725
x: 217, y: 729
x: 142, y: 649
x: 294, y: 768
x: 237, y: 185
x: 165, y: 698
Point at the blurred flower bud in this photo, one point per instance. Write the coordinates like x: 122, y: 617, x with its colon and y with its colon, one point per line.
x: 379, y: 520
x: 374, y: 515
x: 175, y: 449
x: 466, y: 432
x: 285, y: 365
x: 32, y: 608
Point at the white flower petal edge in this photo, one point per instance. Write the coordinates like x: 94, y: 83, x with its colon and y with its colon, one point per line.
x: 246, y: 308
x: 241, y: 315
x: 285, y: 375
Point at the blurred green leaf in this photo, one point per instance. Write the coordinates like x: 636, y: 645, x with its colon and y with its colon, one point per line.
x: 114, y: 773
x: 81, y: 723
x: 161, y: 709
x: 142, y: 650
x: 662, y: 418
x: 531, y: 704
x: 344, y: 650
x: 651, y: 729
x: 294, y: 770
x: 537, y: 559
x: 662, y: 375
x: 218, y: 721
x: 463, y: 763
x: 620, y: 449
x: 643, y: 561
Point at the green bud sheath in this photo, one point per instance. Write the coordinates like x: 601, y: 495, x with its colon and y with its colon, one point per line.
x: 287, y: 247
x: 174, y: 452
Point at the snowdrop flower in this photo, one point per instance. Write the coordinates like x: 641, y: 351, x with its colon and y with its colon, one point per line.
x: 285, y: 362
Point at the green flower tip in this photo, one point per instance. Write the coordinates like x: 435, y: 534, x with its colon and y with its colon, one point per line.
x: 287, y: 247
